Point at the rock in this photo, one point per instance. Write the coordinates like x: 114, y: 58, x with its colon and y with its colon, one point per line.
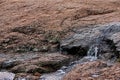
x: 7, y: 76
x: 43, y: 64
x: 32, y: 65
x: 28, y: 68
x: 34, y: 69
x: 10, y: 63
x: 107, y: 56
x: 105, y: 37
x: 1, y: 61
x: 116, y: 39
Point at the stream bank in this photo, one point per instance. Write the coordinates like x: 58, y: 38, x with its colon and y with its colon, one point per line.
x: 100, y: 45
x: 30, y: 66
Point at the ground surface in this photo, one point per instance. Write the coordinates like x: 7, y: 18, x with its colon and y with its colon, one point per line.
x: 38, y: 26
x: 34, y: 25
x: 96, y: 70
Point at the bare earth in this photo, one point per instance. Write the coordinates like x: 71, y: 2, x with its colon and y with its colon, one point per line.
x: 27, y: 25
x: 38, y: 26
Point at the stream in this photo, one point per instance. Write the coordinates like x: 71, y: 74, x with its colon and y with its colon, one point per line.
x: 99, y: 43
x: 93, y: 44
x: 59, y: 74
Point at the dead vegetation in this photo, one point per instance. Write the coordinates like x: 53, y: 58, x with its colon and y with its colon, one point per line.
x: 41, y: 23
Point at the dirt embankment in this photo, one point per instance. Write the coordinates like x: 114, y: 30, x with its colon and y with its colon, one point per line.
x: 38, y: 25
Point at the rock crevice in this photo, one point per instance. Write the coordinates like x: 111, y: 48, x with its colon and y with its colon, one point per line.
x: 102, y: 36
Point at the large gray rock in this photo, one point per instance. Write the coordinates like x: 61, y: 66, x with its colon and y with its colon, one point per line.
x: 116, y: 39
x: 7, y: 76
x: 105, y: 37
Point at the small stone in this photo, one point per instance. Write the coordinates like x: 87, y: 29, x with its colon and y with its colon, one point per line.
x: 6, y: 76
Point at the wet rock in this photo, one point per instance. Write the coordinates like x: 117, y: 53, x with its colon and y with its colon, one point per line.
x: 7, y: 76
x: 116, y: 39
x: 105, y: 37
x: 10, y: 63
x: 107, y: 56
x: 51, y: 76
x: 1, y: 61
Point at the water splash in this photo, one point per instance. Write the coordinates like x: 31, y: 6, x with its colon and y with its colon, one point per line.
x: 92, y: 53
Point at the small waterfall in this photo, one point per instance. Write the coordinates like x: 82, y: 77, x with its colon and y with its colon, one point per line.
x: 58, y: 75
x: 92, y: 53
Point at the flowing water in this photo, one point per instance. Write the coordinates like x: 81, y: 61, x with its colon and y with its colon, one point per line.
x: 92, y: 53
x: 59, y: 74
